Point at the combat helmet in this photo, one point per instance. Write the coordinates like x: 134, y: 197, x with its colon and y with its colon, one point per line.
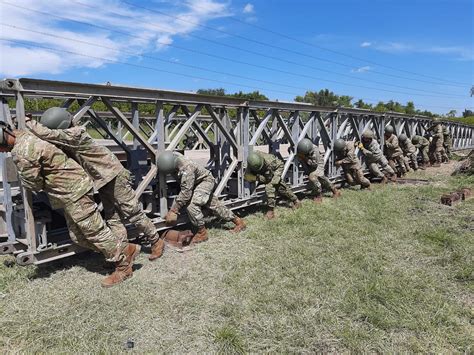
x: 389, y: 130
x: 416, y: 139
x: 339, y: 144
x: 56, y: 118
x: 367, y: 134
x: 255, y: 162
x: 402, y: 137
x: 304, y: 146
x: 166, y: 162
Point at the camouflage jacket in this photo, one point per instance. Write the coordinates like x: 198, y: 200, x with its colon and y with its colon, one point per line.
x: 190, y: 175
x: 43, y: 167
x: 272, y: 169
x: 312, y: 160
x: 447, y: 139
x: 391, y: 147
x: 437, y: 134
x: 422, y: 143
x: 372, y: 151
x: 98, y: 161
x: 347, y: 158
x: 407, y: 147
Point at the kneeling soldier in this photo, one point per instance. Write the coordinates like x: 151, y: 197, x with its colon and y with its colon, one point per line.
x: 423, y: 146
x: 313, y: 163
x: 111, y: 179
x: 447, y: 144
x: 374, y: 157
x: 197, y: 192
x: 409, y: 150
x: 393, y: 152
x: 43, y: 167
x: 436, y: 145
x: 268, y: 170
x: 348, y: 161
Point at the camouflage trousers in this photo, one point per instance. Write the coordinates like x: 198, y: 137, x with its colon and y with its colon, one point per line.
x: 397, y: 163
x: 121, y: 204
x: 88, y: 229
x: 282, y: 189
x: 317, y: 180
x: 411, y: 159
x: 374, y: 167
x: 448, y: 145
x: 203, y: 197
x: 424, y: 154
x: 436, y: 151
x: 355, y: 176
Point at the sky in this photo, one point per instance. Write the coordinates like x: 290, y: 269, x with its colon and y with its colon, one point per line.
x: 377, y: 50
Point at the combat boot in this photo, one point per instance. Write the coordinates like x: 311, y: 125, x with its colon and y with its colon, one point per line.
x: 270, y: 214
x: 318, y: 198
x: 201, y: 235
x: 239, y: 225
x: 123, y: 269
x: 384, y: 180
x: 157, y: 249
x: 393, y: 178
x: 297, y: 204
x: 335, y: 193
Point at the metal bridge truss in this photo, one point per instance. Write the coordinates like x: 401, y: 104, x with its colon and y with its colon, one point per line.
x: 218, y: 132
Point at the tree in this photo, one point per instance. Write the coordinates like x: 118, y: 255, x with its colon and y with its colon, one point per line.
x: 255, y: 95
x: 467, y: 113
x: 363, y: 105
x: 212, y: 92
x: 451, y: 114
x: 325, y: 98
x: 410, y: 108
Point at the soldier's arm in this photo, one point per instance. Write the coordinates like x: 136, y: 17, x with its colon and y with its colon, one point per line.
x: 350, y: 158
x: 29, y: 173
x: 59, y: 137
x: 186, y: 193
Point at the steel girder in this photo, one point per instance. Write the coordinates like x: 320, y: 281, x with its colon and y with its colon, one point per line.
x: 218, y: 132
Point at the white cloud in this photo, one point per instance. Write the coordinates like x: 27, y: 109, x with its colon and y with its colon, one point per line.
x: 361, y: 69
x: 365, y: 44
x: 457, y: 52
x: 152, y: 32
x: 248, y: 9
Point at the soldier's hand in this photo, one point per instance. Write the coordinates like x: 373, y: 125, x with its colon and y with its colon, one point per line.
x: 171, y: 217
x: 360, y: 145
x: 338, y: 163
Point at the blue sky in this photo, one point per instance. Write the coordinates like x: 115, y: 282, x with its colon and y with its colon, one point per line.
x: 402, y: 47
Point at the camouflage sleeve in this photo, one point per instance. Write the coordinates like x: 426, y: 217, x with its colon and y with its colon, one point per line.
x: 350, y: 158
x: 393, y: 144
x: 29, y: 173
x: 277, y: 174
x: 59, y: 137
x: 186, y: 193
x: 367, y: 153
x: 438, y: 133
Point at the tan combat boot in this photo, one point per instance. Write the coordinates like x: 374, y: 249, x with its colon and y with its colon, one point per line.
x: 157, y: 249
x: 123, y: 269
x: 297, y: 204
x: 270, y: 214
x: 318, y: 198
x: 336, y: 193
x: 201, y: 235
x: 384, y: 180
x: 239, y: 225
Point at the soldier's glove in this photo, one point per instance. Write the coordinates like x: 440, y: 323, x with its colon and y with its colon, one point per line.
x: 171, y: 217
x: 360, y: 145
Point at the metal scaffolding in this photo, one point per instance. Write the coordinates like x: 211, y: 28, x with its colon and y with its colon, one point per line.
x: 218, y: 132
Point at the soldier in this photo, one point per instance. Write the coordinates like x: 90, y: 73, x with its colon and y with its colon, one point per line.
x: 268, y: 169
x: 347, y: 159
x: 110, y: 178
x: 422, y: 144
x: 313, y: 163
x: 409, y: 150
x: 197, y: 192
x: 447, y: 144
x: 436, y: 143
x: 43, y: 167
x: 374, y: 157
x: 393, y: 152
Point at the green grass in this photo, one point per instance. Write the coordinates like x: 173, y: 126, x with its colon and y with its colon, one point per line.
x: 390, y: 270
x: 466, y: 120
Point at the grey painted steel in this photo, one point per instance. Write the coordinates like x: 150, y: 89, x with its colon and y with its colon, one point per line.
x: 227, y: 130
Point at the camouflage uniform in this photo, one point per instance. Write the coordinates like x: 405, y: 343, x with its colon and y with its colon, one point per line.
x: 436, y: 146
x: 394, y: 154
x: 111, y: 179
x: 423, y: 147
x: 447, y: 145
x: 350, y: 164
x: 374, y: 158
x: 271, y: 175
x: 197, y: 187
x: 313, y: 163
x: 43, y: 167
x: 409, y: 150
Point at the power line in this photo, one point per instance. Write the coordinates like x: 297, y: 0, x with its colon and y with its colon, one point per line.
x: 286, y: 49
x: 193, y: 66
x: 260, y: 66
x: 149, y: 68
